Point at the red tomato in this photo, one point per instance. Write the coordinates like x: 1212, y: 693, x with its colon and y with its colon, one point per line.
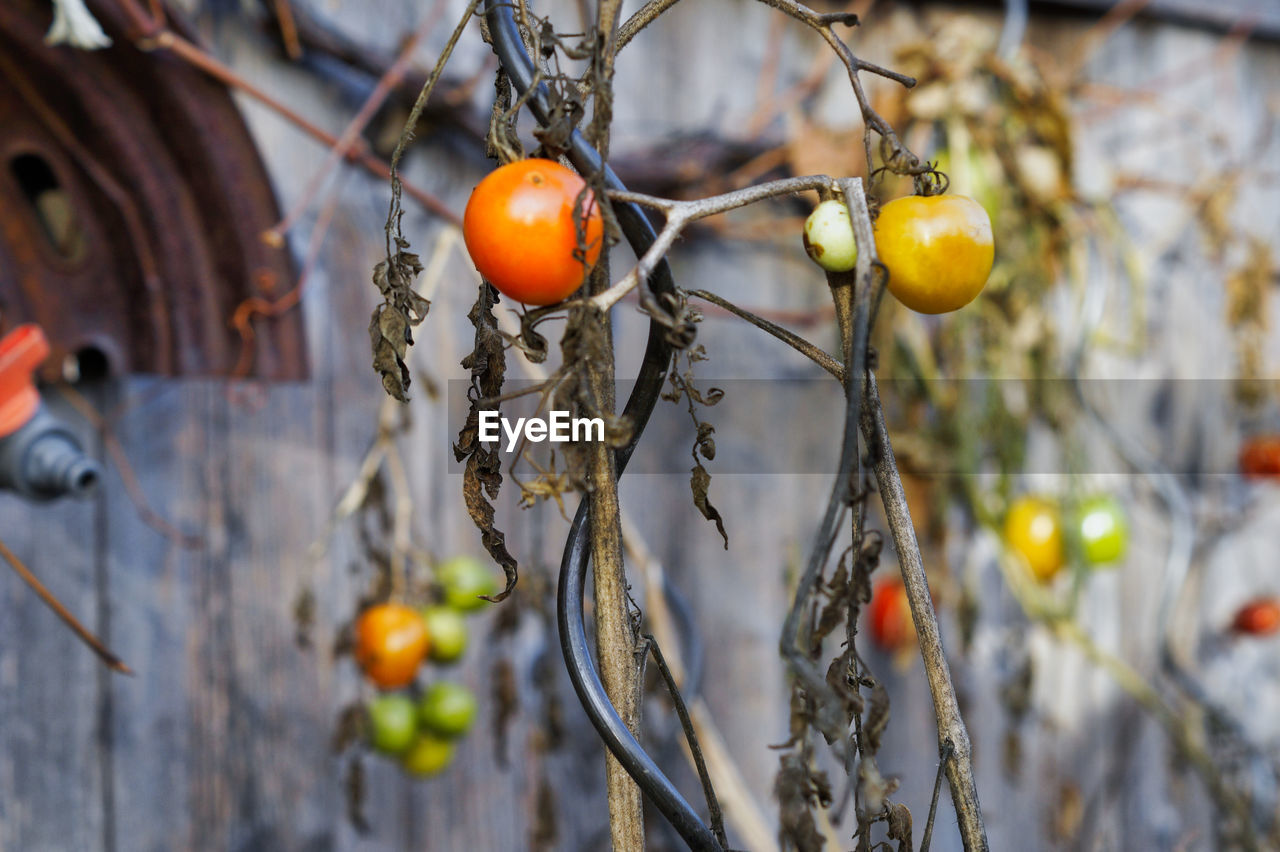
x: 1259, y: 617
x: 519, y: 228
x: 1260, y: 456
x: 391, y: 640
x: 889, y: 614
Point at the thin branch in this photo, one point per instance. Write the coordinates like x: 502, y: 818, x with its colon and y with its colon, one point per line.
x: 351, y: 133
x: 951, y: 727
x: 242, y: 317
x: 153, y: 36
x: 947, y: 751
x: 95, y: 644
x: 643, y: 17
x: 105, y: 428
x: 406, y: 134
x: 795, y: 341
x: 691, y: 741
x: 681, y: 213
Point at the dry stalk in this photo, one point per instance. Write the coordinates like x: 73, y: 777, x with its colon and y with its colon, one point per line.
x: 953, y: 736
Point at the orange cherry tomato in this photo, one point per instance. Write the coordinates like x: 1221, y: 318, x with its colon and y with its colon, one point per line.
x: 938, y: 249
x: 889, y: 614
x: 1259, y: 617
x: 519, y: 227
x: 1033, y: 530
x: 1260, y: 456
x: 391, y: 641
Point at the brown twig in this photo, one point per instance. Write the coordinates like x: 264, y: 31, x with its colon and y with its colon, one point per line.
x: 680, y: 213
x: 953, y: 735
x: 795, y: 341
x: 152, y: 35
x: 123, y: 466
x: 242, y: 317
x: 95, y: 644
x: 288, y: 28
x: 351, y: 133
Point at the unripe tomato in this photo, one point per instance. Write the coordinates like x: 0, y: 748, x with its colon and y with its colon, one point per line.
x: 889, y: 614
x: 938, y: 249
x: 465, y: 579
x: 1259, y: 617
x: 1103, y: 530
x: 393, y: 723
x: 1033, y: 530
x: 828, y: 237
x: 391, y: 641
x: 428, y: 755
x: 1260, y: 456
x: 520, y: 231
x: 447, y: 709
x: 448, y: 632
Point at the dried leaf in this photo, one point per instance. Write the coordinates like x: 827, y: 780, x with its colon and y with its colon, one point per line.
x: 482, y: 473
x: 899, y: 819
x: 700, y: 482
x: 877, y: 719
x: 794, y: 791
x: 390, y: 327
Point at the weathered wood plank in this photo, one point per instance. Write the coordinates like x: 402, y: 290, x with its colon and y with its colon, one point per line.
x: 54, y: 784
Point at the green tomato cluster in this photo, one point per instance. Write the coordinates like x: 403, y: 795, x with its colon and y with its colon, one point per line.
x: 420, y: 729
x: 421, y: 732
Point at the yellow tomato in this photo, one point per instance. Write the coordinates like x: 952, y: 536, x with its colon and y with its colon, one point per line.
x: 1033, y: 530
x: 938, y: 249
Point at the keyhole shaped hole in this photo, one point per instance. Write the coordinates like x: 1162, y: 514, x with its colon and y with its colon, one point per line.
x: 51, y: 205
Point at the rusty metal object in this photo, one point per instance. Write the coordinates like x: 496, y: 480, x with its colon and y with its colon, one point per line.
x: 132, y: 200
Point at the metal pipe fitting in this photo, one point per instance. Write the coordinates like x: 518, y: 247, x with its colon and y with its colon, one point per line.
x: 43, y: 460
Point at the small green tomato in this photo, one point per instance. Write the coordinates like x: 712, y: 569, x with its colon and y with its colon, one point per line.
x: 465, y: 579
x: 828, y: 237
x: 429, y: 755
x: 447, y: 709
x: 1103, y: 530
x: 393, y: 722
x: 448, y: 631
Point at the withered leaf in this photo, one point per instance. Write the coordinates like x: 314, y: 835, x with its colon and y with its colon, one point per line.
x: 354, y: 786
x: 700, y: 482
x: 873, y: 788
x: 390, y: 327
x: 899, y: 819
x: 877, y: 719
x: 794, y: 791
x: 482, y: 472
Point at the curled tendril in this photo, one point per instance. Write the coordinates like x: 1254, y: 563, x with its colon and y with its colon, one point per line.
x: 932, y: 181
x: 898, y: 159
x: 673, y: 311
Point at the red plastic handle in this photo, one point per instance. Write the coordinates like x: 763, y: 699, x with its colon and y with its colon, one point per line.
x: 22, y: 351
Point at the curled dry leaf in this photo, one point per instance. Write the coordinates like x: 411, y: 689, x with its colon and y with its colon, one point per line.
x: 795, y: 790
x: 482, y: 471
x: 899, y: 819
x: 390, y: 328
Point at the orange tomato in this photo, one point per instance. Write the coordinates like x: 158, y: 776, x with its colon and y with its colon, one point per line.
x: 1259, y: 617
x: 1033, y: 530
x: 1260, y: 456
x: 938, y: 250
x: 391, y: 641
x: 519, y: 227
x: 889, y: 614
